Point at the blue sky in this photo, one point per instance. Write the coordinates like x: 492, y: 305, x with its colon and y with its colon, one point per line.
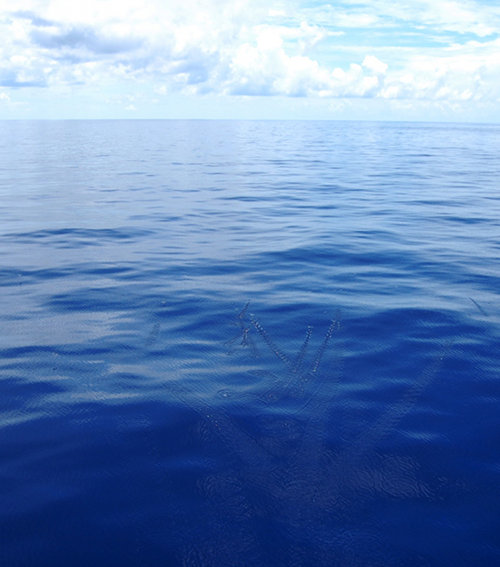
x: 352, y: 59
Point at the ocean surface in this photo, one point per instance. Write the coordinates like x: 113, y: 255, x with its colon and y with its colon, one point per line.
x: 240, y: 344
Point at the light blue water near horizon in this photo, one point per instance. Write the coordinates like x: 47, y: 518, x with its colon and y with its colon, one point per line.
x: 249, y: 343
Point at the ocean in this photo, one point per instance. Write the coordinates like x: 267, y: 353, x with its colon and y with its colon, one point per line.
x: 249, y: 343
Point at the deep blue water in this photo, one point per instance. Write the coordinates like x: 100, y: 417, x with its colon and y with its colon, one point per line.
x: 249, y: 344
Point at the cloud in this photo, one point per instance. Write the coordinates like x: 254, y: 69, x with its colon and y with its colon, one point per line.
x: 82, y: 38
x: 32, y: 17
x: 256, y: 48
x: 373, y: 64
x: 266, y: 69
x: 468, y: 72
x: 17, y: 73
x: 460, y: 16
x: 463, y: 16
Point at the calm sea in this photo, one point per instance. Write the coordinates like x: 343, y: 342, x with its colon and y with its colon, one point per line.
x: 240, y: 344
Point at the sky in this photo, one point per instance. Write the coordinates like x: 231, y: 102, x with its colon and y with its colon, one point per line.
x: 422, y: 60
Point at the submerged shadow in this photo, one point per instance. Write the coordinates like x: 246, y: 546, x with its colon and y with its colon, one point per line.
x: 282, y: 493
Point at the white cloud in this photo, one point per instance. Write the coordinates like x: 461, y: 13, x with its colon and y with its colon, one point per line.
x: 371, y: 63
x: 470, y: 72
x: 249, y: 48
x: 461, y: 16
